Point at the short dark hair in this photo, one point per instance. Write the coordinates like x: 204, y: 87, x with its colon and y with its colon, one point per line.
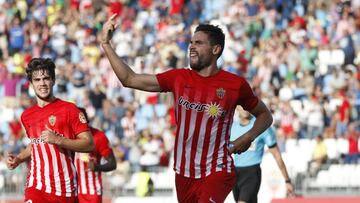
x: 37, y: 64
x: 215, y: 34
x: 83, y: 110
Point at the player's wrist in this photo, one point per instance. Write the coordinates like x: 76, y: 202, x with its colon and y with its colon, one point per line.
x: 105, y: 42
x: 59, y: 140
x: 288, y: 181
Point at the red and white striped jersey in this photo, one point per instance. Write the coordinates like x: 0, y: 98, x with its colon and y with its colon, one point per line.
x: 204, y: 108
x: 51, y: 167
x: 90, y: 182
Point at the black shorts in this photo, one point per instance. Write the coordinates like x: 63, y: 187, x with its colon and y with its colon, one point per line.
x: 248, y: 180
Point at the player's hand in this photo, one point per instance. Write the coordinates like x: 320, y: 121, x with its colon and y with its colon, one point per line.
x: 108, y: 30
x: 290, y: 192
x: 50, y: 136
x: 241, y: 144
x: 12, y: 161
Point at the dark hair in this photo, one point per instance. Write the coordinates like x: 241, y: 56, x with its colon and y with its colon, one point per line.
x: 215, y: 34
x: 83, y: 110
x: 37, y: 64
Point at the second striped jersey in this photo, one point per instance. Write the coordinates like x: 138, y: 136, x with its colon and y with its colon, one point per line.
x: 90, y: 182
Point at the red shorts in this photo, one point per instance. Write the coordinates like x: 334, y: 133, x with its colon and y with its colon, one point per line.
x: 33, y: 195
x: 89, y: 198
x: 213, y: 188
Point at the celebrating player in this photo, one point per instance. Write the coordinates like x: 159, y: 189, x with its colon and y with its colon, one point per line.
x: 205, y: 99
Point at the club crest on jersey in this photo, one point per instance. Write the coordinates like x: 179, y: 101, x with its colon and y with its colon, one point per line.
x: 220, y: 93
x: 82, y: 117
x: 52, y: 120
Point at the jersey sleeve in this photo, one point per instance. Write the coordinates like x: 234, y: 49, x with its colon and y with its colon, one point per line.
x: 102, y: 144
x: 23, y: 123
x: 78, y: 122
x: 167, y: 80
x: 247, y: 98
x: 270, y: 138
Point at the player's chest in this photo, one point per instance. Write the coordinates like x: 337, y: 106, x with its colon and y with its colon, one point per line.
x: 54, y: 121
x: 207, y: 92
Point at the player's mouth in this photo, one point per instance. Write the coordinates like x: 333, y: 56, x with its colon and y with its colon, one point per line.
x: 43, y: 90
x: 193, y: 54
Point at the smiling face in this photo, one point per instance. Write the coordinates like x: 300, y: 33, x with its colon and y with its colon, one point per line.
x: 42, y: 84
x: 200, y: 51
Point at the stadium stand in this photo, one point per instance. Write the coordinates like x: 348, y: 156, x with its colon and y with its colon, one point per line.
x: 302, y: 57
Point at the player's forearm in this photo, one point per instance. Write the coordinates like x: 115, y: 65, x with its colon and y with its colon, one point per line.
x: 108, y: 166
x: 105, y: 167
x: 263, y: 121
x: 77, y: 145
x: 121, y: 69
x: 25, y: 154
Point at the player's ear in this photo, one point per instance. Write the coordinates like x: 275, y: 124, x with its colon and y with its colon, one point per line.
x: 216, y: 49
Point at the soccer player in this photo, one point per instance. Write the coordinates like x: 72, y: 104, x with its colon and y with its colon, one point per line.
x: 247, y: 164
x: 56, y: 129
x: 89, y: 166
x: 205, y: 100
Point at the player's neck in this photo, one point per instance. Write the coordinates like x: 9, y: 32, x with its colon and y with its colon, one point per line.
x: 208, y: 71
x: 43, y: 102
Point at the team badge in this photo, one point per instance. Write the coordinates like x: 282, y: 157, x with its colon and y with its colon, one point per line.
x: 82, y: 117
x: 220, y: 93
x: 52, y: 120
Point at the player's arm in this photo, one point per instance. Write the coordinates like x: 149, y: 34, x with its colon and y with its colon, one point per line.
x: 109, y: 165
x: 123, y: 72
x: 83, y: 142
x: 274, y: 150
x: 13, y: 161
x: 263, y: 121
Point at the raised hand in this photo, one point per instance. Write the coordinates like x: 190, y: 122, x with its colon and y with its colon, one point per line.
x: 108, y: 30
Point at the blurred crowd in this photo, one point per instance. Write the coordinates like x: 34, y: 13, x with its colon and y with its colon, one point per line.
x: 301, y: 56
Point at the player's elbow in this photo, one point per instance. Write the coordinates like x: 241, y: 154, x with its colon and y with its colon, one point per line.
x: 90, y: 146
x: 270, y: 119
x: 129, y: 80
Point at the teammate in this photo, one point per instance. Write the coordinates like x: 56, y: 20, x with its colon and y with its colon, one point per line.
x: 56, y: 129
x: 89, y: 167
x: 247, y: 164
x: 205, y: 98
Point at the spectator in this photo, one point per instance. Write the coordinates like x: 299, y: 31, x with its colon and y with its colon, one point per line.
x: 352, y: 135
x: 319, y: 156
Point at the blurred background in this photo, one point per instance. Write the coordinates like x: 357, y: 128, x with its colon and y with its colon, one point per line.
x: 302, y: 57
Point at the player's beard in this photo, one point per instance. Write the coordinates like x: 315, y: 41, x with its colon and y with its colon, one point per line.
x: 199, y: 63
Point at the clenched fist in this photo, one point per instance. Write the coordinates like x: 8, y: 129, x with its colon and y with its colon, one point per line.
x: 12, y: 161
